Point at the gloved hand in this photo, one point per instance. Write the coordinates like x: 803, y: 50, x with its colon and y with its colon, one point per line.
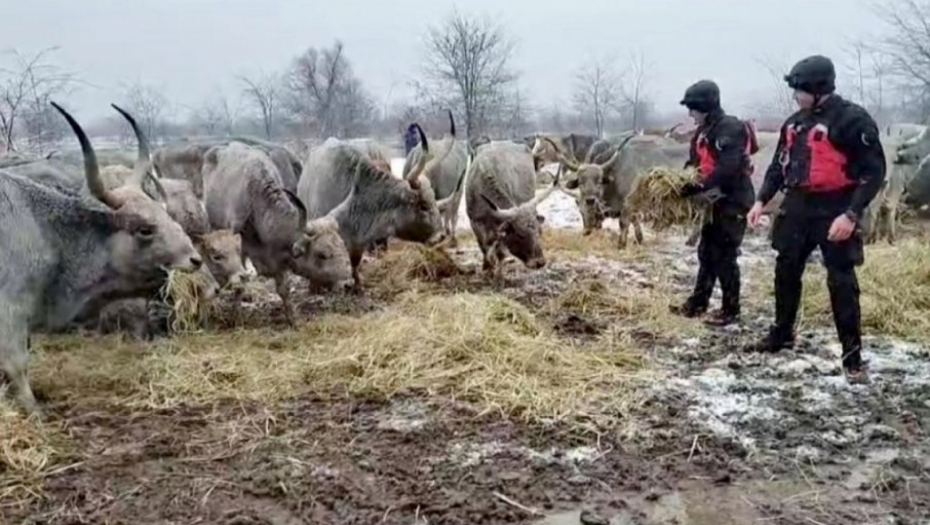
x: 690, y: 188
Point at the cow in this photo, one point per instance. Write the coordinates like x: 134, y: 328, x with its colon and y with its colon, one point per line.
x: 63, y: 253
x: 574, y: 146
x: 339, y: 183
x: 603, y: 182
x: 446, y: 178
x: 143, y: 319
x: 501, y: 201
x: 244, y: 194
x: 376, y: 153
x: 184, y: 161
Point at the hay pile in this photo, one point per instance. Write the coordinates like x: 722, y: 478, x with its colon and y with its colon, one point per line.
x: 27, y: 451
x: 188, y: 297
x: 655, y: 198
x: 409, y: 265
x: 482, y: 349
x: 895, y: 292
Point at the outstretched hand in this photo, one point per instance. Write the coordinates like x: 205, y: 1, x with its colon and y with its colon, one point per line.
x: 690, y: 188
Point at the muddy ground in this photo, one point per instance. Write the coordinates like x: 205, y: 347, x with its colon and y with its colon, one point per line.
x: 722, y: 437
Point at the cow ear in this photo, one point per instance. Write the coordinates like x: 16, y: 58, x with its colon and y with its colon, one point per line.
x: 300, y: 247
x: 572, y: 184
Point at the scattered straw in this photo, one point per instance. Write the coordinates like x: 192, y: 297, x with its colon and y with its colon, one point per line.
x: 628, y: 307
x: 479, y: 348
x: 655, y: 197
x: 895, y: 291
x: 27, y: 450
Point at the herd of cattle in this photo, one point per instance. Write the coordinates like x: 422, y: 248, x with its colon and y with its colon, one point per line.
x: 87, y: 239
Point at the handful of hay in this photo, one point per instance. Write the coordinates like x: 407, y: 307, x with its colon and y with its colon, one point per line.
x: 655, y: 198
x: 188, y: 297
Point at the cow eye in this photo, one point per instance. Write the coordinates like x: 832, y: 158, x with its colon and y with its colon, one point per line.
x: 146, y: 231
x: 216, y: 257
x: 323, y: 256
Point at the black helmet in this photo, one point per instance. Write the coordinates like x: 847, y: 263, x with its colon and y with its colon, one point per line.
x: 703, y: 96
x: 814, y: 75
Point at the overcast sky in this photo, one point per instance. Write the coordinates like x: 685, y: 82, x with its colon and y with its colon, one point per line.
x: 194, y: 48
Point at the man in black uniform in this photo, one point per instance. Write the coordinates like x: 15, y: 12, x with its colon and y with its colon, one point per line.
x: 720, y: 151
x: 830, y: 163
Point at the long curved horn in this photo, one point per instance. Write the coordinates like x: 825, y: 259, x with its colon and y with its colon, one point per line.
x: 144, y: 157
x: 544, y: 195
x: 159, y: 188
x: 616, y: 154
x: 498, y: 213
x: 572, y: 165
x: 414, y: 173
x: 440, y: 158
x: 91, y: 169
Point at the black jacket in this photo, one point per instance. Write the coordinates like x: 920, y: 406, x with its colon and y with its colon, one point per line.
x: 853, y: 132
x: 727, y: 139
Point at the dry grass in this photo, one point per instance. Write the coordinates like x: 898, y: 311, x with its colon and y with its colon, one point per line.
x: 895, y: 297
x: 28, y: 449
x: 655, y: 198
x: 188, y: 300
x: 409, y: 265
x: 479, y: 348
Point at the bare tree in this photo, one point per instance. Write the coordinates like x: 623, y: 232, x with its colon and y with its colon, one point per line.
x: 326, y: 95
x: 905, y: 52
x: 263, y: 92
x: 634, y: 92
x: 869, y: 66
x: 149, y: 106
x: 597, y: 92
x: 467, y: 67
x: 25, y: 91
x: 781, y: 103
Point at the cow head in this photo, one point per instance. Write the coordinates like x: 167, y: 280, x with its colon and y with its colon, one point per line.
x: 147, y: 242
x: 320, y: 254
x: 222, y: 251
x: 589, y: 183
x: 419, y: 219
x: 519, y: 228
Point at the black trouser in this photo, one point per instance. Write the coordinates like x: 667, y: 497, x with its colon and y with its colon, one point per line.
x: 720, y: 242
x: 801, y: 226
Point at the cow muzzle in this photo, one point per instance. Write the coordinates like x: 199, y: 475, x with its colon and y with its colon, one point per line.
x: 536, y: 264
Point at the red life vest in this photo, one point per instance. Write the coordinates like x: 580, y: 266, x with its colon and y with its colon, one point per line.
x: 707, y: 162
x: 826, y: 170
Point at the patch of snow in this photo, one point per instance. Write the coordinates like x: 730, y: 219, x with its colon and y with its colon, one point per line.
x: 472, y: 454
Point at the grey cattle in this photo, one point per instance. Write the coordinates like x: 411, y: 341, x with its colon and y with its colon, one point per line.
x: 221, y: 250
x: 446, y: 177
x: 182, y: 202
x: 244, y: 194
x: 63, y: 253
x: 574, y: 146
x: 603, y: 182
x: 139, y: 315
x: 184, y: 160
x: 501, y: 200
x: 341, y: 184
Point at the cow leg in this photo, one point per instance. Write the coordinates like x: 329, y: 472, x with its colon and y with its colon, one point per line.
x: 14, y: 363
x: 453, y: 225
x: 638, y: 230
x: 624, y: 226
x: 356, y: 259
x: 891, y: 215
x: 280, y: 282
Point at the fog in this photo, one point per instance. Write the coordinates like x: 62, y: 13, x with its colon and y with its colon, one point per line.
x: 193, y: 49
